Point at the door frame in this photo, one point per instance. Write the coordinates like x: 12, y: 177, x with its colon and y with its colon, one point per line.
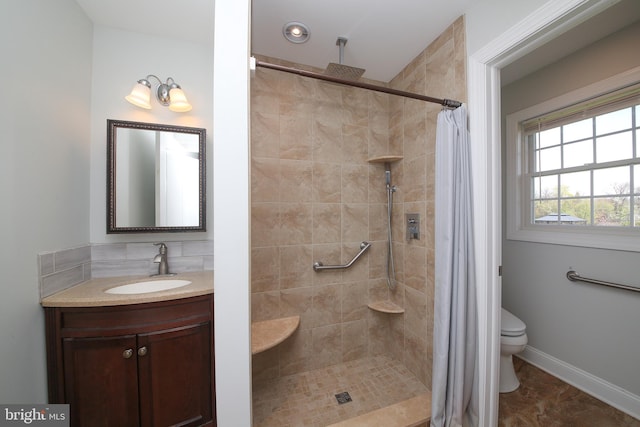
x: 536, y: 29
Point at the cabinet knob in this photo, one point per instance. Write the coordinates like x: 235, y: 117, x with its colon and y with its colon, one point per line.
x: 142, y: 351
x: 127, y: 353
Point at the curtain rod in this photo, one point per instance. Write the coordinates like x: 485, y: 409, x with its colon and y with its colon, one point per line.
x: 449, y: 103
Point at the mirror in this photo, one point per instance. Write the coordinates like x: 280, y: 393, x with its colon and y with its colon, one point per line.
x: 156, y: 178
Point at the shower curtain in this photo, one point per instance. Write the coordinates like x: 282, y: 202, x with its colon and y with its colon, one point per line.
x: 454, y: 382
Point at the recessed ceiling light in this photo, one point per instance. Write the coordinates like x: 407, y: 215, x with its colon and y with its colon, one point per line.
x: 296, y: 32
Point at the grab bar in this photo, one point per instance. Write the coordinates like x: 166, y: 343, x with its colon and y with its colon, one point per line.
x: 318, y: 266
x: 574, y: 277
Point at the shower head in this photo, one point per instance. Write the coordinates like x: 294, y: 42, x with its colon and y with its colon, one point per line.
x: 343, y: 71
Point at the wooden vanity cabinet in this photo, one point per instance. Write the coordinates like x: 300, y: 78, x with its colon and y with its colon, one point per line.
x: 133, y: 365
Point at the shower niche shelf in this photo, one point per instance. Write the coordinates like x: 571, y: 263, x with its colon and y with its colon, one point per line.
x: 269, y: 333
x: 385, y: 159
x: 386, y: 307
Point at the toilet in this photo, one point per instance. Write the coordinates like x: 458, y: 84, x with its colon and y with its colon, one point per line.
x: 513, y: 339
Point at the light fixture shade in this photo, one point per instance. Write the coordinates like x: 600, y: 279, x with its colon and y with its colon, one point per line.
x: 179, y: 101
x: 140, y: 96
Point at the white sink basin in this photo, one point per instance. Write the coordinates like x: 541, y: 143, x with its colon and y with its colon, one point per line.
x: 148, y: 286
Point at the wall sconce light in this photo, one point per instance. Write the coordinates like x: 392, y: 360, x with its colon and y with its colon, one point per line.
x: 168, y: 94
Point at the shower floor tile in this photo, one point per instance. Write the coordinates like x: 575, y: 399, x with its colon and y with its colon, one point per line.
x: 308, y: 399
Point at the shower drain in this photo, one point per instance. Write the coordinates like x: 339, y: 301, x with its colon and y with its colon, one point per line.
x: 343, y: 397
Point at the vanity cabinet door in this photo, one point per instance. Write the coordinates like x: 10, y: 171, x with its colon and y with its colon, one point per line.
x: 101, y: 381
x: 149, y: 364
x: 174, y: 371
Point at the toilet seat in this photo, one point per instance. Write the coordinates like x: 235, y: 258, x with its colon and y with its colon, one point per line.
x: 510, y: 325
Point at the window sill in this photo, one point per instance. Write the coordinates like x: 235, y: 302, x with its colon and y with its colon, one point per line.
x: 618, y: 239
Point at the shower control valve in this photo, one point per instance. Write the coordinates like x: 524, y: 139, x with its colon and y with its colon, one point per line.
x: 413, y: 226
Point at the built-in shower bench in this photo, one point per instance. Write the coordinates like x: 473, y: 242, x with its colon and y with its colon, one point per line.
x: 414, y: 412
x: 267, y: 334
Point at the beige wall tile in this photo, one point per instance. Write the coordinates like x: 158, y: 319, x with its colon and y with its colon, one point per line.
x: 377, y: 257
x: 355, y: 183
x: 355, y: 144
x: 265, y: 269
x: 396, y: 338
x: 328, y: 113
x: 377, y: 191
x: 327, y: 305
x: 265, y: 134
x: 377, y: 221
x: 327, y: 345
x: 265, y: 224
x: 416, y: 312
x: 355, y: 222
x: 378, y: 290
x: 327, y: 182
x: 356, y: 108
x: 265, y: 306
x: 414, y: 131
x: 263, y: 99
x: 414, y: 267
x: 295, y: 228
x: 311, y: 140
x: 354, y: 301
x: 327, y: 222
x: 378, y: 332
x: 295, y: 137
x: 298, y: 302
x: 265, y: 179
x: 327, y: 142
x: 378, y: 142
x: 415, y: 170
x: 354, y: 340
x: 265, y: 365
x: 415, y: 356
x: 296, y: 266
x: 296, y: 352
x: 295, y: 181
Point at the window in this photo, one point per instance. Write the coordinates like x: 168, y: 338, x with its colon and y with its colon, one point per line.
x: 573, y: 168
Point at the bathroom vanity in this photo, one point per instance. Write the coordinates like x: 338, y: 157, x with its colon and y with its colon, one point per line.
x: 142, y: 359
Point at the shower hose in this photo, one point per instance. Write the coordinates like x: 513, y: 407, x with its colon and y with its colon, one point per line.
x: 391, y: 270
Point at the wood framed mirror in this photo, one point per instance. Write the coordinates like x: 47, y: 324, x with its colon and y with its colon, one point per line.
x: 156, y: 178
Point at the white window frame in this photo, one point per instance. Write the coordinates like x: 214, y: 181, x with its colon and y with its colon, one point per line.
x: 517, y: 226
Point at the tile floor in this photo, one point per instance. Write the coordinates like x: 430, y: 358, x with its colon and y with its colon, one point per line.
x: 544, y: 400
x: 307, y: 399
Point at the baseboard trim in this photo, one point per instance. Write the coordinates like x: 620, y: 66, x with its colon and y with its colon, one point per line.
x: 609, y: 393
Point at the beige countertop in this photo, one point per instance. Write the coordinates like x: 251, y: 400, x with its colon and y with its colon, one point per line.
x: 92, y: 292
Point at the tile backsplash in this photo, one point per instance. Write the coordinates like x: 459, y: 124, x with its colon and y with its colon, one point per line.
x: 62, y: 269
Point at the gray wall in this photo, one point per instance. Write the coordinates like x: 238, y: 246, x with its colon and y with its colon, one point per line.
x: 590, y: 327
x: 44, y: 171
x: 62, y: 78
x: 120, y: 58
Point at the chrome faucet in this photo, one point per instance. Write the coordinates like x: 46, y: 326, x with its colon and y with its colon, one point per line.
x: 161, y: 259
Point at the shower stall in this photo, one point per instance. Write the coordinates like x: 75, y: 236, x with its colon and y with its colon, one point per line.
x: 315, y: 196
